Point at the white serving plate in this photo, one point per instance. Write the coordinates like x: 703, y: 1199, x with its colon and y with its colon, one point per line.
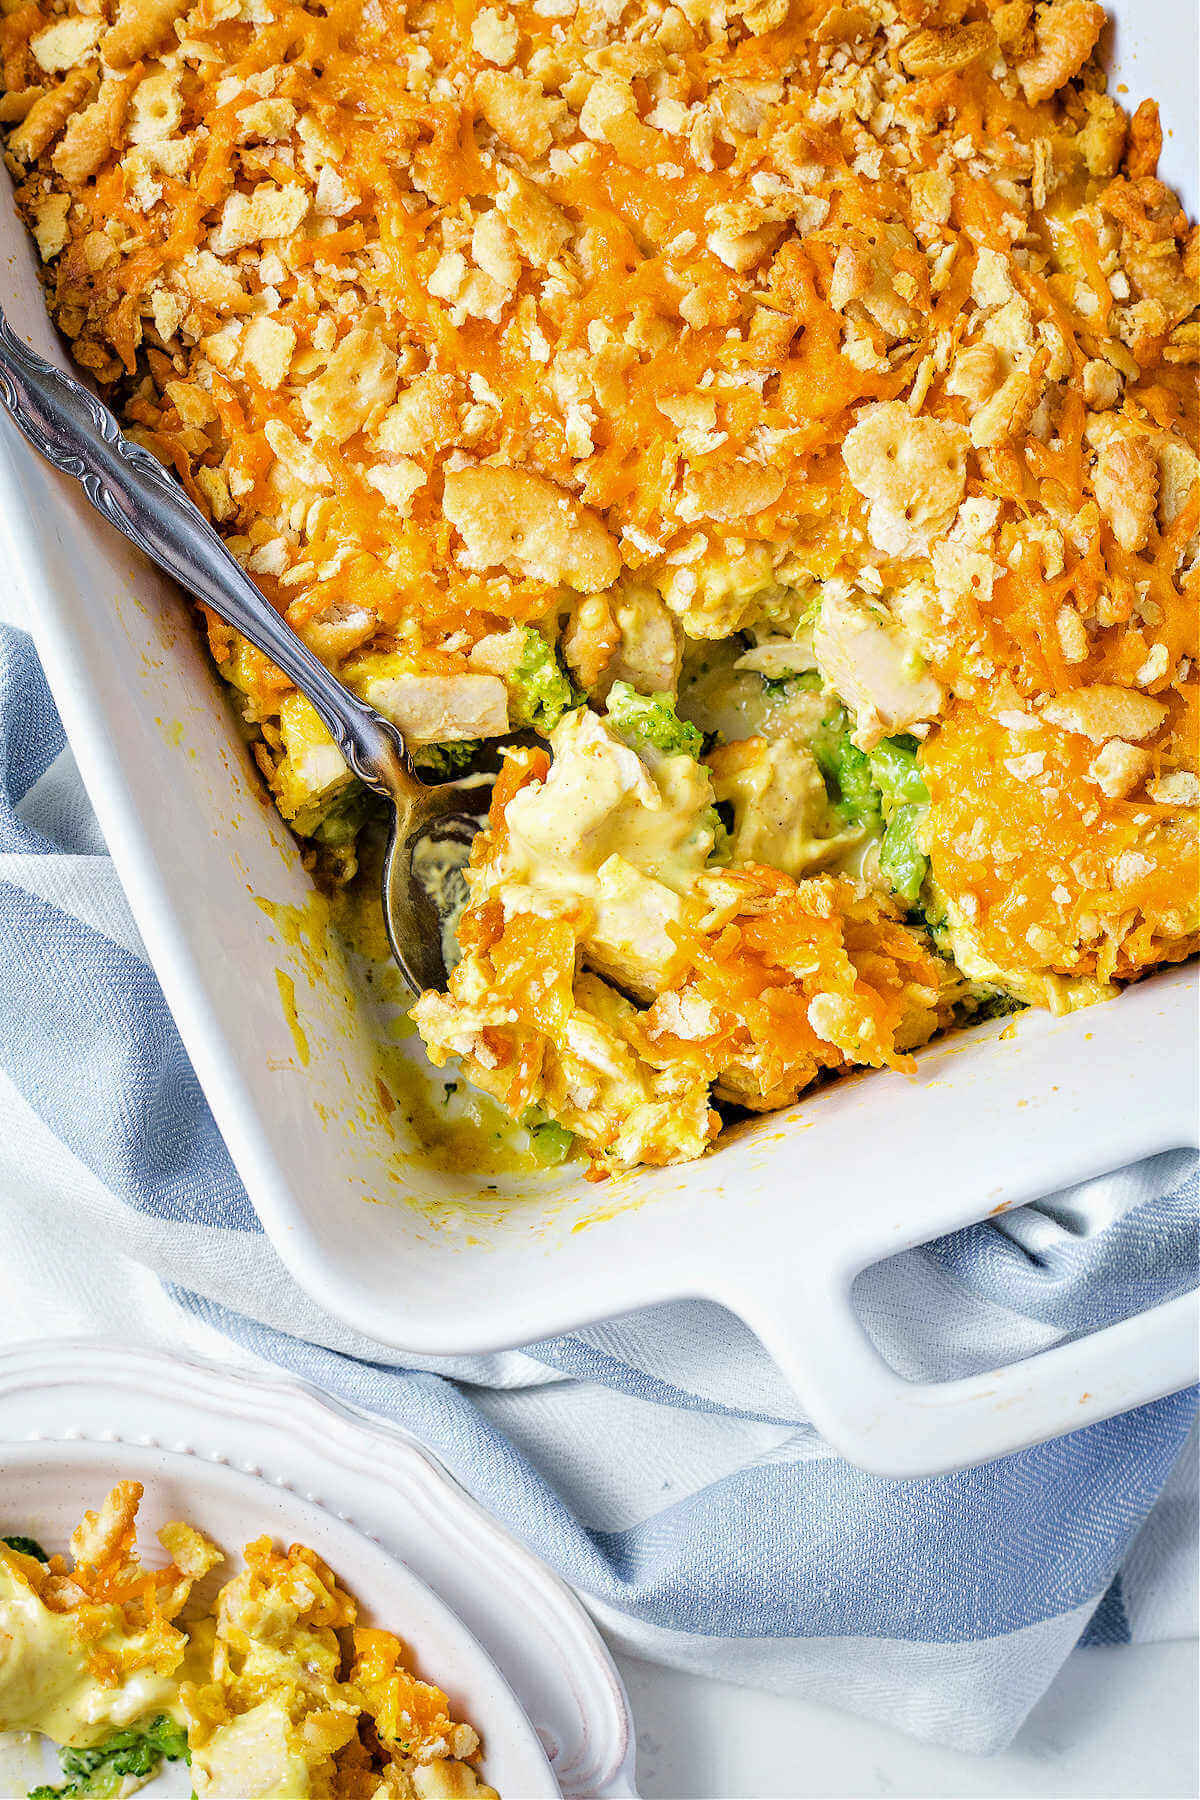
x: 775, y: 1226
x: 238, y: 1456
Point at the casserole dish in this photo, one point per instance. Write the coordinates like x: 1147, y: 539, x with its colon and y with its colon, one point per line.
x: 232, y: 925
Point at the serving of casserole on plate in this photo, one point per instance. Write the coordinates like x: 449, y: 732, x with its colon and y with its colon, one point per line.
x: 267, y: 1685
x: 786, y: 411
x: 261, y: 1460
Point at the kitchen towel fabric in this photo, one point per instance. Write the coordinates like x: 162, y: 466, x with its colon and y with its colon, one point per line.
x: 659, y: 1463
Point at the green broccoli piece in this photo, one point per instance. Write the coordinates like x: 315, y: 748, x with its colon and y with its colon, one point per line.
x: 26, y: 1546
x: 994, y: 1005
x: 443, y: 762
x: 895, y: 772
x: 650, y: 722
x: 884, y: 785
x: 549, y: 1142
x: 806, y: 681
x: 847, y: 771
x: 538, y: 691
x: 100, y: 1772
x: 343, y: 817
x: 904, y: 796
x: 900, y: 859
x: 938, y: 927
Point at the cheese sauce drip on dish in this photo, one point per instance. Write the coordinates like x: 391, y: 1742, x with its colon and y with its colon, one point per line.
x: 821, y: 376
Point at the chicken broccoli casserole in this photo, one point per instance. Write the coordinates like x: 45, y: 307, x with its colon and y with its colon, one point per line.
x: 267, y: 1688
x: 777, y: 416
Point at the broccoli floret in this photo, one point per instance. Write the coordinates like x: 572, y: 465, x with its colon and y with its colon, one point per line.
x: 994, y: 1005
x: 538, y: 691
x: 442, y: 762
x: 895, y: 771
x: 550, y: 1143
x: 334, y: 824
x: 847, y: 772
x: 904, y: 796
x: 884, y: 786
x: 26, y: 1546
x: 900, y: 859
x: 937, y: 925
x: 650, y: 722
x: 101, y: 1771
x: 343, y: 817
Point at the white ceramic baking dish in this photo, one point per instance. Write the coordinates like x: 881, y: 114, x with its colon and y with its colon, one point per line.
x: 775, y: 1226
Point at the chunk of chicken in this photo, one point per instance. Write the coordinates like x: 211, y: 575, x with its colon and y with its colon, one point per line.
x: 865, y: 660
x: 650, y: 652
x: 253, y: 1754
x: 590, y: 641
x: 634, y: 936
x: 613, y: 844
x: 780, y: 805
x: 436, y: 709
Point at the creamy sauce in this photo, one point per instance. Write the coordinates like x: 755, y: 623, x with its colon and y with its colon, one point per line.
x: 287, y: 999
x: 44, y: 1682
x: 718, y: 696
x: 602, y: 800
x: 721, y: 694
x: 440, y: 867
x: 1057, y: 993
x: 451, y: 1127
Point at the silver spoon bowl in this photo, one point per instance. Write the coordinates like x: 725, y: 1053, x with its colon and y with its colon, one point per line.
x: 76, y: 432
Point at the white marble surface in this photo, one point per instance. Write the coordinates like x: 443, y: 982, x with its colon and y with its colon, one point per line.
x: 1116, y: 1723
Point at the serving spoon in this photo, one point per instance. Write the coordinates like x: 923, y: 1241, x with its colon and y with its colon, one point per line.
x: 76, y: 432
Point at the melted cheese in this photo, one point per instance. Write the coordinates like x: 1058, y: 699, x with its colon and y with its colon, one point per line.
x: 1057, y: 993
x: 45, y: 1680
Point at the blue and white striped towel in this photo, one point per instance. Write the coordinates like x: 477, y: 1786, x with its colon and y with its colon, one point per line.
x: 660, y: 1463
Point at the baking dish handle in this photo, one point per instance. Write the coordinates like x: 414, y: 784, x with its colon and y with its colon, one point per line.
x: 891, y: 1426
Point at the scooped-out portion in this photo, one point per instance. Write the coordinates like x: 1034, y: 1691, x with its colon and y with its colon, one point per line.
x: 619, y: 972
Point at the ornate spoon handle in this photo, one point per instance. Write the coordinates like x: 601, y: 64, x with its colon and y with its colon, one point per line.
x: 76, y: 432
